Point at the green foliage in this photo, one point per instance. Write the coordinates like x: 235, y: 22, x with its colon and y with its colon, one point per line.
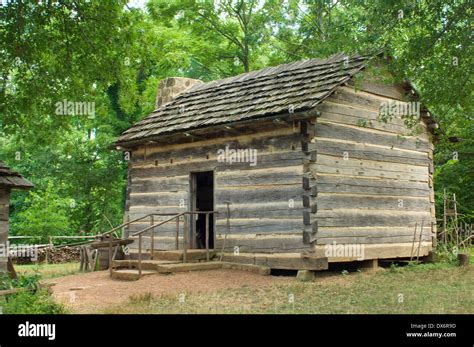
x: 29, y: 282
x: 78, y: 181
x: 72, y: 51
x: 55, y: 50
x: 46, y: 215
x: 362, y: 123
x: 32, y: 300
x: 27, y: 302
x: 454, y: 163
x: 446, y: 254
x: 393, y: 267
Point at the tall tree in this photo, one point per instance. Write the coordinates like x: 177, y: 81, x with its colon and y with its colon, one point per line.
x: 244, y: 27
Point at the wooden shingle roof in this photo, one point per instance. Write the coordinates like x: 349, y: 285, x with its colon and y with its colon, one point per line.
x: 300, y: 86
x: 13, y: 179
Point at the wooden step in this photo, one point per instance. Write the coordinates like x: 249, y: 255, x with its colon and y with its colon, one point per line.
x: 184, y: 267
x: 165, y: 266
x: 130, y: 274
x: 177, y: 255
x: 192, y: 254
x: 133, y: 255
x: 152, y: 265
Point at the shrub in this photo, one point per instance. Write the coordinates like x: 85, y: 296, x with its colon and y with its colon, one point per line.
x: 32, y: 300
x: 46, y: 215
x: 28, y: 302
x: 30, y: 282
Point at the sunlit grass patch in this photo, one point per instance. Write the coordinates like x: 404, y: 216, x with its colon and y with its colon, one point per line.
x: 48, y: 270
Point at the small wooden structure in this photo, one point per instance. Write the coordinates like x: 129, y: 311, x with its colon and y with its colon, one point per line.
x: 99, y: 251
x: 294, y: 159
x: 8, y: 180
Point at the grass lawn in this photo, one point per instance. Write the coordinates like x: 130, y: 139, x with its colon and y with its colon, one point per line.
x: 48, y: 270
x: 427, y: 288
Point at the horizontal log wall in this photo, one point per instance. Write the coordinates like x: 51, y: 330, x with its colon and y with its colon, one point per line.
x: 4, y: 203
x: 266, y: 207
x: 371, y: 180
x: 238, y: 243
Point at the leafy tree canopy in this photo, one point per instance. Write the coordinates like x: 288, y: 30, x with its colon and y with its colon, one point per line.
x: 109, y: 57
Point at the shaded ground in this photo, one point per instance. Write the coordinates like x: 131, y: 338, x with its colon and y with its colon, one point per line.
x: 429, y: 288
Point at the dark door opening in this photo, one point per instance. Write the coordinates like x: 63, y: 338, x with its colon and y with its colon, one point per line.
x: 203, y: 200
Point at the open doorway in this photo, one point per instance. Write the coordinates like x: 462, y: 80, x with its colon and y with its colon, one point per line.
x: 202, y: 184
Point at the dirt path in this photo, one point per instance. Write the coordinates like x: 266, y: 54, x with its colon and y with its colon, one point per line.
x: 95, y: 291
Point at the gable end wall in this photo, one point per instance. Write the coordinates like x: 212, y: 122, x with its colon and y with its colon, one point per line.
x: 374, y: 182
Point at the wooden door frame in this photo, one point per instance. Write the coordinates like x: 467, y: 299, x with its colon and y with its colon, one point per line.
x: 192, y: 205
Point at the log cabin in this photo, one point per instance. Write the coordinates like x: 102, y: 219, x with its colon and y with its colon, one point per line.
x: 296, y: 161
x: 8, y: 180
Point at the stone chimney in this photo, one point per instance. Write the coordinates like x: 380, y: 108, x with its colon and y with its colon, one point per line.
x: 171, y: 87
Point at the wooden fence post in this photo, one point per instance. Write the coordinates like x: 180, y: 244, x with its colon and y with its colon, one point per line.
x: 140, y: 255
x: 419, y: 241
x: 48, y: 249
x: 445, y: 220
x: 152, y: 221
x: 185, y: 238
x: 207, y: 236
x: 456, y: 226
x: 413, y: 243
x: 110, y: 254
x: 177, y: 232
